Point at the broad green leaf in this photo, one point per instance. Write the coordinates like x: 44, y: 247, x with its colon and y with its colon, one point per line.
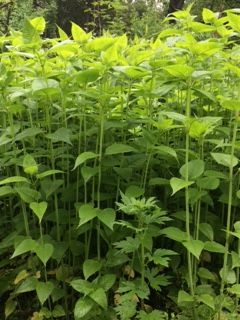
x: 235, y: 260
x: 38, y: 24
x: 184, y: 297
x: 117, y: 148
x: 82, y: 307
x: 166, y: 150
x: 206, y: 274
x: 27, y: 285
x: 132, y: 72
x: 86, y: 76
x: 47, y: 173
x: 25, y: 246
x: 62, y: 34
x: 88, y: 172
x: 207, y: 299
x: 207, y: 230
x: 231, y: 104
x: 14, y: 179
x: 28, y: 133
x: 107, y: 281
x: 49, y: 187
x: 6, y: 190
x: 83, y: 157
x: 86, y: 213
x: 179, y: 70
x: 82, y: 286
x: 78, y: 33
x: 234, y: 21
x: 44, y: 252
x: 208, y: 183
x: 208, y: 16
x: 174, y: 234
x: 194, y: 246
x: 213, y: 246
x: 225, y: 159
x: 58, y: 311
x: 100, y: 43
x: 158, y: 182
x: 60, y: 135
x: 230, y: 276
x: 134, y: 192
x: 107, y: 216
x: 27, y: 194
x: 235, y: 289
x: 179, y: 184
x: 195, y: 169
x: 10, y: 306
x: 42, y: 85
x: 30, y: 165
x: 44, y: 289
x: 99, y: 296
x: 90, y: 267
x: 39, y: 208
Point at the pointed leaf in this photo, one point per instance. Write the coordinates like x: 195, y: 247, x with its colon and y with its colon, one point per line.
x: 44, y: 289
x: 107, y: 216
x: 44, y: 252
x: 25, y: 246
x: 195, y: 169
x: 39, y: 208
x: 90, y: 267
x: 117, y: 148
x: 82, y: 307
x: 179, y: 184
x: 86, y: 213
x: 99, y: 296
x: 194, y: 246
x: 83, y: 157
x: 225, y: 159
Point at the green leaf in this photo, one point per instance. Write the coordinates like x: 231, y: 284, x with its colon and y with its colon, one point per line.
x: 179, y: 184
x: 82, y: 286
x: 82, y: 307
x: 27, y: 285
x: 44, y: 252
x: 39, y: 208
x: 225, y: 159
x: 49, y: 187
x: 88, y: 172
x: 117, y: 148
x: 99, y: 296
x: 86, y: 213
x: 89, y: 75
x: 207, y: 230
x: 107, y: 281
x: 231, y: 104
x: 90, y: 267
x: 58, y: 311
x: 27, y: 194
x: 175, y: 234
x: 38, y: 24
x: 47, y: 173
x: 25, y: 246
x: 83, y: 157
x: 4, y: 191
x: 15, y: 179
x: 235, y: 260
x: 10, y: 306
x: 134, y: 191
x: 206, y: 274
x: 165, y: 150
x: 208, y: 16
x: 207, y: 300
x: 78, y: 33
x: 184, y: 297
x: 234, y: 21
x: 195, y: 169
x: 235, y: 289
x: 194, y: 246
x: 179, y: 70
x: 28, y: 133
x: 44, y: 289
x: 30, y: 165
x: 208, y: 183
x: 213, y: 246
x: 60, y: 135
x: 107, y: 216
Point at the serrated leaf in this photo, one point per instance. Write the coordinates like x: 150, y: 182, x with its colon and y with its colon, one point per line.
x: 83, y: 157
x: 117, y: 148
x: 39, y: 208
x: 44, y: 289
x: 90, y: 267
x: 179, y: 184
x: 194, y: 246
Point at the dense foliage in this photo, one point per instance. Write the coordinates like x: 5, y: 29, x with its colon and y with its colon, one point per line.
x: 119, y: 187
